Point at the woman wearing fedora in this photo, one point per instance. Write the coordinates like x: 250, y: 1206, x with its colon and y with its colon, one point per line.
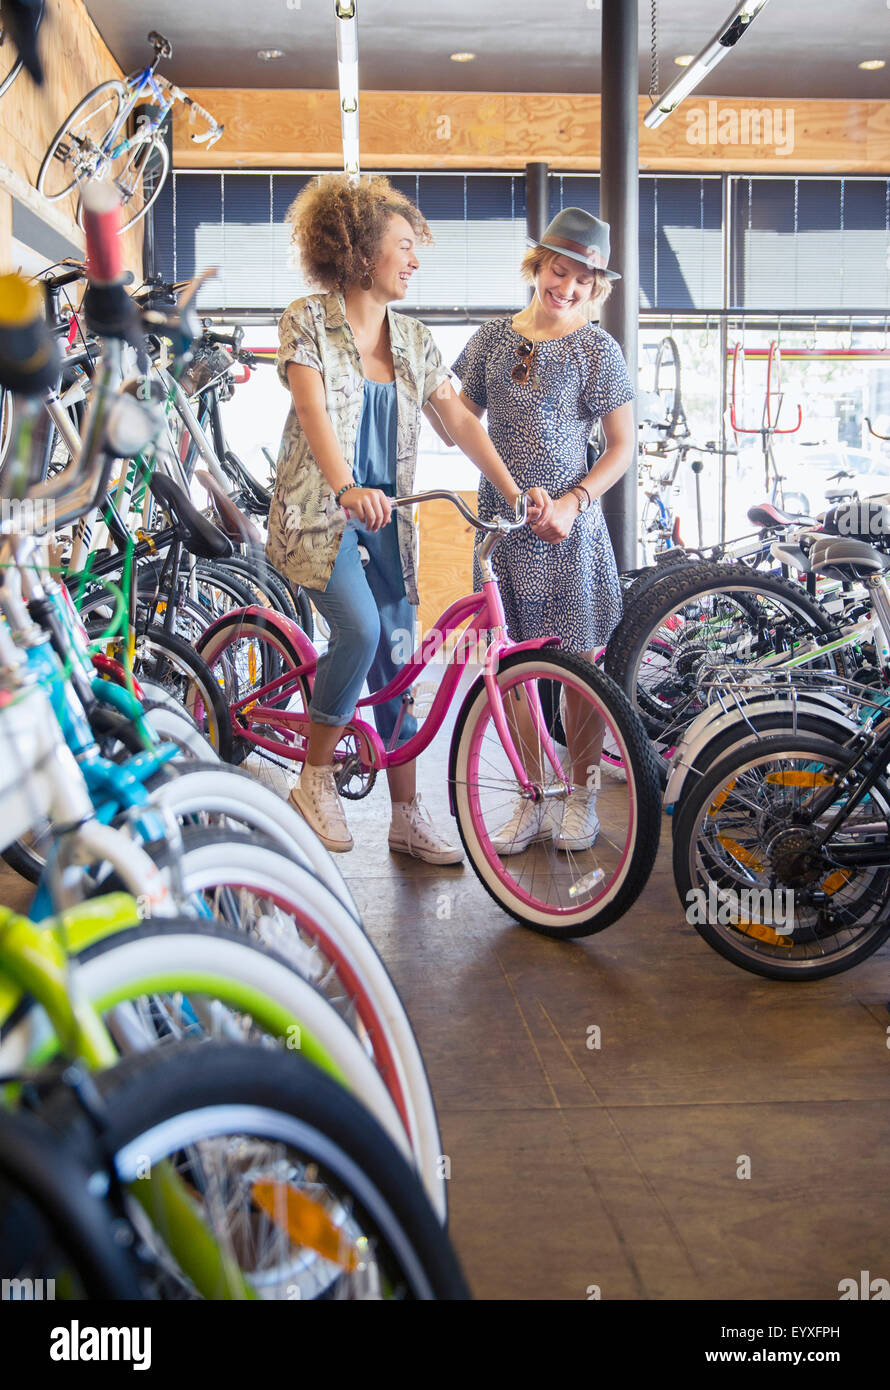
x: 545, y: 376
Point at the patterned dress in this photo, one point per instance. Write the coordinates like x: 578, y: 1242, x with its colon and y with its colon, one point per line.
x: 541, y: 429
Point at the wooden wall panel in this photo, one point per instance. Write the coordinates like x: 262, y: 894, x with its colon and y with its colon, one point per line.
x: 446, y: 557
x: 469, y: 130
x: 76, y: 59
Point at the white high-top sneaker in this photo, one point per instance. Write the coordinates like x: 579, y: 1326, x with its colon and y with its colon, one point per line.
x: 412, y: 832
x: 529, y: 823
x: 318, y: 802
x: 580, y: 822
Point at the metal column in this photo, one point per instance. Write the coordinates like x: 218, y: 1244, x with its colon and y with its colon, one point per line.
x: 537, y: 203
x: 619, y: 206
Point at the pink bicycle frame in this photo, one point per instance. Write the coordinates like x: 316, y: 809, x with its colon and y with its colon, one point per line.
x: 485, y: 613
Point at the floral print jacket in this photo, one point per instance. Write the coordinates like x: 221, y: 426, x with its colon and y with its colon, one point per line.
x: 305, y: 522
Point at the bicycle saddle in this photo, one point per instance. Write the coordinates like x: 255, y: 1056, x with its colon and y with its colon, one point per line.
x: 863, y: 521
x: 197, y: 534
x: 840, y: 557
x: 766, y: 515
x: 260, y: 498
x: 232, y: 522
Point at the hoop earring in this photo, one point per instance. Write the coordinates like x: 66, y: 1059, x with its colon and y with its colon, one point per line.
x: 367, y: 281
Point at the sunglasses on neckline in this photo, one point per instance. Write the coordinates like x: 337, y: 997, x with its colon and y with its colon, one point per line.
x: 525, y: 353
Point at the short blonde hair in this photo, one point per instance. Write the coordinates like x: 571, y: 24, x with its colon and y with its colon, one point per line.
x: 537, y: 257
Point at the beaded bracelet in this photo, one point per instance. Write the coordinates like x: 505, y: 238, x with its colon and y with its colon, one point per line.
x: 346, y: 488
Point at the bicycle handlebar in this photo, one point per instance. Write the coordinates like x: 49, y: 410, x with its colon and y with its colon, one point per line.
x: 500, y: 523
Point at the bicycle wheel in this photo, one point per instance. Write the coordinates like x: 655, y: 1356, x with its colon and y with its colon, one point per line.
x: 245, y: 652
x: 139, y: 180
x: 290, y: 1175
x: 739, y: 733
x: 577, y: 890
x: 743, y: 837
x: 53, y: 1227
x: 10, y: 63
x: 701, y: 617
x: 249, y: 885
x: 171, y: 662
x: 159, y: 983
x: 667, y: 386
x: 75, y: 151
x: 231, y: 796
x: 271, y: 590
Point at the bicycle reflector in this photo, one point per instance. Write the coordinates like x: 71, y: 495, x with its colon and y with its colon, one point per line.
x: 29, y: 355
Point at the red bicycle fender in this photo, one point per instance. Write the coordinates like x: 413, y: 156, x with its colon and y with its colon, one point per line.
x: 114, y: 671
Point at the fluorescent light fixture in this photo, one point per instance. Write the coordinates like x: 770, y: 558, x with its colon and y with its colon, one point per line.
x: 872, y: 64
x: 462, y: 57
x: 738, y: 23
x: 347, y: 76
x: 684, y: 59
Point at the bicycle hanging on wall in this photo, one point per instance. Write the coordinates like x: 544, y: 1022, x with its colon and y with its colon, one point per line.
x: 106, y: 137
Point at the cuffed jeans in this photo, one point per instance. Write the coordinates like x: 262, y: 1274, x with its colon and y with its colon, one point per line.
x: 368, y: 613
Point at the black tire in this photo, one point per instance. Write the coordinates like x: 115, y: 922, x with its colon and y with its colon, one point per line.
x: 288, y: 1097
x: 762, y: 725
x: 641, y: 770
x: 640, y: 626
x: 229, y: 582
x: 274, y: 593
x: 46, y: 1205
x: 162, y: 653
x: 782, y: 748
x: 653, y: 574
x: 278, y: 655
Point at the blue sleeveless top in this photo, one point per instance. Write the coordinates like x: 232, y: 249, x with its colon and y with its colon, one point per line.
x: 376, y: 444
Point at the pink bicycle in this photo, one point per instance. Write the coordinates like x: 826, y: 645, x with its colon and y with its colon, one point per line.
x: 529, y: 733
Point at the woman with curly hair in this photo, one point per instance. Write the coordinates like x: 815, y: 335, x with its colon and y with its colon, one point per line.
x: 545, y: 376
x: 359, y: 375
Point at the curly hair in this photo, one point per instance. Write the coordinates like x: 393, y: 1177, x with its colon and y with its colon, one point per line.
x: 337, y: 226
x: 536, y: 257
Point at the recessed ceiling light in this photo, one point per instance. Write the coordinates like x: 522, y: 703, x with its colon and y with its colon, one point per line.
x: 268, y: 55
x: 462, y: 57
x: 872, y: 64
x: 684, y: 59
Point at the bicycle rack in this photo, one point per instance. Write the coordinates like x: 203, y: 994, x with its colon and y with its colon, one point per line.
x: 767, y: 425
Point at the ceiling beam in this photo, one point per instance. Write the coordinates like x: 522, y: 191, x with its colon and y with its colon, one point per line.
x: 490, y: 130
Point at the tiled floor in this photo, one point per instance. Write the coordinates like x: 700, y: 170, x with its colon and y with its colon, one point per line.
x: 618, y: 1167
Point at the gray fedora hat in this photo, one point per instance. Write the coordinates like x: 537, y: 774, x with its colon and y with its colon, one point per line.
x: 575, y: 233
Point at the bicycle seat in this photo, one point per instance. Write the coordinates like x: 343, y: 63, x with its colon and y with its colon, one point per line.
x: 839, y: 494
x: 840, y: 557
x: 767, y: 516
x: 197, y: 534
x: 233, y: 522
x: 864, y: 521
x: 259, y: 496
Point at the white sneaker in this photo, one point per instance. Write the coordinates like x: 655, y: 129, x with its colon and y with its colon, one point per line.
x: 412, y: 832
x: 318, y: 802
x: 580, y: 823
x: 529, y: 823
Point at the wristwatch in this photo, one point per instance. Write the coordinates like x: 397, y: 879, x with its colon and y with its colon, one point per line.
x: 583, y: 502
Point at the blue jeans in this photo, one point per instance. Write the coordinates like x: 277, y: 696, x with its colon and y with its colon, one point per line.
x: 367, y: 611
